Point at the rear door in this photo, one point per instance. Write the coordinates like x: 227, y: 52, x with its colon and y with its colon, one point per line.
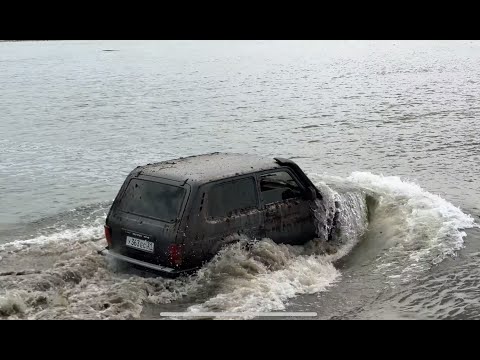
x: 145, y: 219
x: 232, y: 208
x: 288, y: 216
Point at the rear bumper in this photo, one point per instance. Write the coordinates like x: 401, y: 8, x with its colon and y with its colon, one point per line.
x: 163, y: 270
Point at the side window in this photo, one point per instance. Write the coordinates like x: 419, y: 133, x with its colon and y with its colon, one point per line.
x: 229, y: 197
x: 278, y: 186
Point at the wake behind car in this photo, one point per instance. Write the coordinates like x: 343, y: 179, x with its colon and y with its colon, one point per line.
x: 173, y: 216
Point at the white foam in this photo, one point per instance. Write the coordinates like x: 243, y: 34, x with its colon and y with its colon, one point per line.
x: 68, y: 236
x: 263, y: 278
x: 431, y: 228
x: 10, y: 304
x: 422, y: 199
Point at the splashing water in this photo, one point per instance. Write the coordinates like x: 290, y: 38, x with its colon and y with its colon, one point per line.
x: 59, y: 275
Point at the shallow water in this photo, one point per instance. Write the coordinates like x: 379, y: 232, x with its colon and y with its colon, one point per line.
x: 386, y: 125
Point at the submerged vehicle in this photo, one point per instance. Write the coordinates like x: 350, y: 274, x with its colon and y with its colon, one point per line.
x: 173, y: 216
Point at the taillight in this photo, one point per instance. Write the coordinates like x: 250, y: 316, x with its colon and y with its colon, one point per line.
x: 108, y: 235
x: 175, y: 254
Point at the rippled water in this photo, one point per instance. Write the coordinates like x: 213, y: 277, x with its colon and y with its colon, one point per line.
x: 386, y: 124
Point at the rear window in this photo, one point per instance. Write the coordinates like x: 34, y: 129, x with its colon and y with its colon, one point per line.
x: 152, y: 199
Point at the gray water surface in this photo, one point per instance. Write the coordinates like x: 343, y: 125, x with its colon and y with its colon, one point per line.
x: 384, y: 116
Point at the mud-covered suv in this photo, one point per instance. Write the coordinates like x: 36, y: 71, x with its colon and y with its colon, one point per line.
x: 173, y: 216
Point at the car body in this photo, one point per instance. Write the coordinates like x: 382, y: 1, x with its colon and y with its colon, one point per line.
x: 173, y: 216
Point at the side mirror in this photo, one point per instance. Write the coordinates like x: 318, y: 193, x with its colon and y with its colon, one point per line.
x: 311, y: 193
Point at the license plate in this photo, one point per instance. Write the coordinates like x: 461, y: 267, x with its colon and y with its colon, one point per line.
x: 140, y: 244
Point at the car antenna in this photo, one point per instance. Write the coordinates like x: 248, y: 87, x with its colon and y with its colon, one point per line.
x: 184, y: 182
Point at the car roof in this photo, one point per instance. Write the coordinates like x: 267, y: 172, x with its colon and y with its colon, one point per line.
x: 208, y: 167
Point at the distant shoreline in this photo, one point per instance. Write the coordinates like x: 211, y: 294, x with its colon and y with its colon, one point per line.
x: 23, y: 40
